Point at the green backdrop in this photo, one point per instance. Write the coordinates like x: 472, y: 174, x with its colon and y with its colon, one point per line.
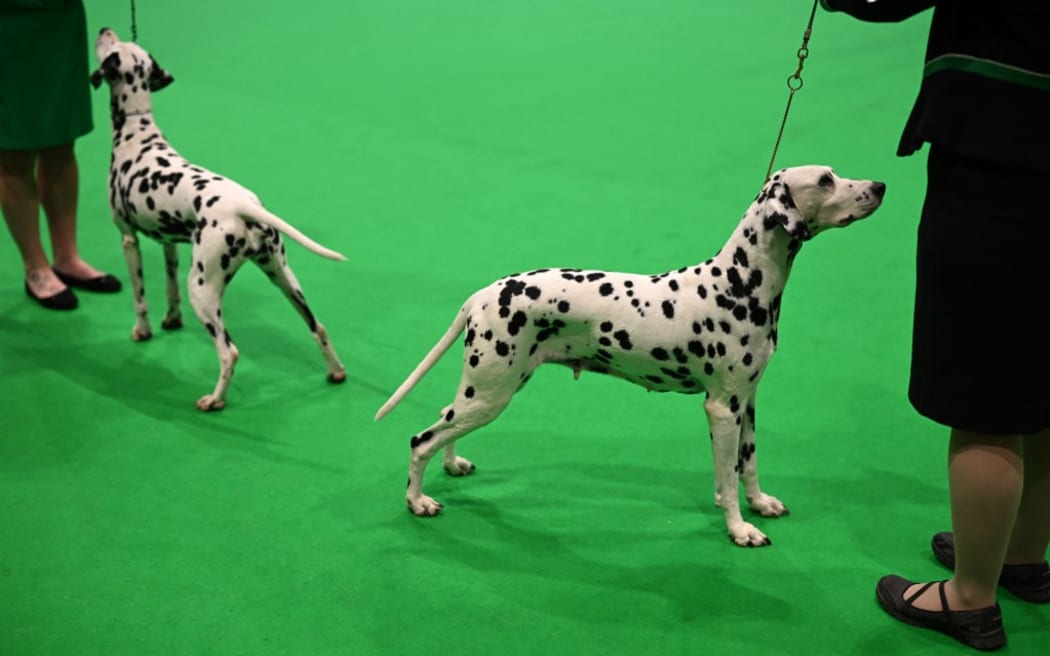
x: 441, y: 145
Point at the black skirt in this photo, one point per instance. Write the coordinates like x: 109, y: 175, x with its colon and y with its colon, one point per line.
x: 981, y: 339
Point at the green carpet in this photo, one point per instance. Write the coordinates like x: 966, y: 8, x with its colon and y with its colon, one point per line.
x: 441, y: 145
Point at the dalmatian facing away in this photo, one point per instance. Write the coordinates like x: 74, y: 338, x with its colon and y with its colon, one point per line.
x: 711, y: 327
x: 153, y: 190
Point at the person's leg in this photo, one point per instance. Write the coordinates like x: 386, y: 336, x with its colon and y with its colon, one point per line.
x: 58, y: 186
x: 1031, y: 533
x: 986, y: 475
x: 21, y: 209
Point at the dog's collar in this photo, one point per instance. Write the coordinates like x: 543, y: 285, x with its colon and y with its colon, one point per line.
x: 139, y: 112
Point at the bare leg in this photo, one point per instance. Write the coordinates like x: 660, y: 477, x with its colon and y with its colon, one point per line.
x: 58, y: 184
x: 1031, y: 534
x: 986, y: 476
x: 21, y: 208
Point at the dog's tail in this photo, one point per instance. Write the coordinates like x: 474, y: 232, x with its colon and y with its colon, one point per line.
x: 260, y: 214
x: 429, y: 361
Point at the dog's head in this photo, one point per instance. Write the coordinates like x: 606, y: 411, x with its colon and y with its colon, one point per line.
x: 126, y: 66
x: 807, y: 200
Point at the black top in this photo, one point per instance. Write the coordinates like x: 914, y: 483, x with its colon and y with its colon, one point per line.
x: 986, y: 88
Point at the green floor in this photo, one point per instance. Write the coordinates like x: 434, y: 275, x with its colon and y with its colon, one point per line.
x: 441, y: 145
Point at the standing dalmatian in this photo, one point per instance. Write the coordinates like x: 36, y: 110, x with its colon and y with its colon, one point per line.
x: 154, y: 191
x: 711, y: 327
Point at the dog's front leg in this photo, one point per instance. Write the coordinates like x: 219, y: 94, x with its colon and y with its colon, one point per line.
x: 763, y: 504
x: 725, y: 422
x: 173, y: 319
x: 141, y: 331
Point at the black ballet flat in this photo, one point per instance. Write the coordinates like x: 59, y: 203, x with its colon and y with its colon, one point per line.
x: 981, y: 629
x: 64, y: 300
x: 104, y: 284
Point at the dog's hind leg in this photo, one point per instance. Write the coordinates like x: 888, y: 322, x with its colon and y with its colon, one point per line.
x: 173, y: 318
x: 275, y: 265
x: 725, y: 417
x: 207, y: 282
x: 763, y: 504
x: 472, y: 409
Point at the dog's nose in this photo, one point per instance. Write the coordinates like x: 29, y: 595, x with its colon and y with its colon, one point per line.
x: 104, y: 30
x: 878, y: 188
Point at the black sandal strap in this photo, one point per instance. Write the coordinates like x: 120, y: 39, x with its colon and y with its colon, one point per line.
x: 948, y: 614
x: 911, y: 600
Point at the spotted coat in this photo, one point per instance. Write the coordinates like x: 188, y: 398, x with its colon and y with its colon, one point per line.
x: 155, y: 192
x: 709, y: 327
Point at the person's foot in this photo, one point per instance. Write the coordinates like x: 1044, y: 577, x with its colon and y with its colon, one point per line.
x: 1030, y: 582
x: 980, y: 628
x: 44, y: 287
x: 81, y: 275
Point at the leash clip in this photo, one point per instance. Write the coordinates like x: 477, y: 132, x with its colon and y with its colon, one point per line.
x: 794, y: 80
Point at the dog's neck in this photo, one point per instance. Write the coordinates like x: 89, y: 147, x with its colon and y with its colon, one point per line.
x: 132, y: 127
x: 761, y: 242
x: 130, y: 113
x: 755, y: 264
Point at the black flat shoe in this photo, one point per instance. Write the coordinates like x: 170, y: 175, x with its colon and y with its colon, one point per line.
x: 64, y: 300
x: 981, y: 629
x: 1028, y: 582
x: 104, y: 284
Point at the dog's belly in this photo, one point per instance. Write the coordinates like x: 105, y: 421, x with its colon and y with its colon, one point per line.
x: 681, y: 380
x: 163, y: 226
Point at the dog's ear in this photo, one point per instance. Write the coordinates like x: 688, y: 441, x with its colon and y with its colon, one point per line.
x: 784, y: 212
x: 158, y: 77
x: 108, y: 69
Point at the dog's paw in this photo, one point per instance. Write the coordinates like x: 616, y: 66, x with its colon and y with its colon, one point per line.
x: 424, y: 506
x: 209, y: 403
x: 171, y: 323
x: 459, y: 467
x: 768, y: 506
x: 336, y: 377
x: 139, y: 334
x: 746, y: 535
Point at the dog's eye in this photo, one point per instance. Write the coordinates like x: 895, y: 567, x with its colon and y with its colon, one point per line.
x: 826, y: 180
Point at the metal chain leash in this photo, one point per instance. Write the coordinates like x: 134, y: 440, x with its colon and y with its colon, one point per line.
x: 794, y: 83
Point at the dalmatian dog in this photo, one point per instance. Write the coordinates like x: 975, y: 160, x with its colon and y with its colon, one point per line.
x: 154, y: 191
x: 711, y: 327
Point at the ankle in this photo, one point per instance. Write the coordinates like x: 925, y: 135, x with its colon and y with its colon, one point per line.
x: 1031, y: 557
x: 963, y: 596
x: 66, y: 263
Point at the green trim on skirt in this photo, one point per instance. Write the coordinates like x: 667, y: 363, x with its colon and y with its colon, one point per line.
x: 988, y: 68
x: 45, y: 97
